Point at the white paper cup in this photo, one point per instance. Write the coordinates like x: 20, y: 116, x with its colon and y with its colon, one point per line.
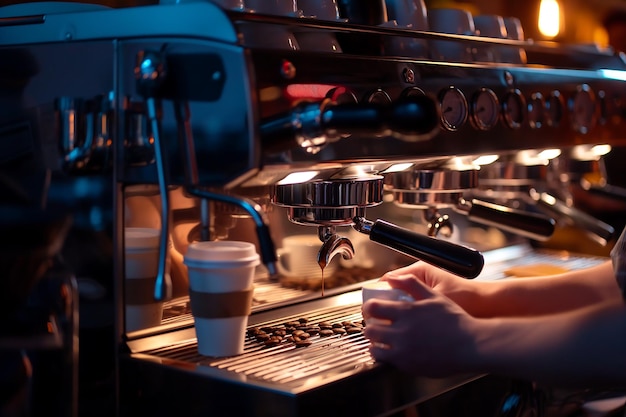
x: 298, y: 258
x: 221, y: 275
x: 141, y: 265
x: 381, y: 290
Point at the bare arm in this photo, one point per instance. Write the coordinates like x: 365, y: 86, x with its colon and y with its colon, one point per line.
x: 433, y: 336
x: 520, y: 296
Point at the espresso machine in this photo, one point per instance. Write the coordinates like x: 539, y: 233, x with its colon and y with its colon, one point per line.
x: 224, y: 120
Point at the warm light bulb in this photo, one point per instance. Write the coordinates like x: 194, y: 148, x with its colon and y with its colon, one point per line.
x: 549, y: 18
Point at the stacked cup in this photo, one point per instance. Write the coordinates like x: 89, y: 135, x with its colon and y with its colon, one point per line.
x: 221, y: 275
x: 142, y: 256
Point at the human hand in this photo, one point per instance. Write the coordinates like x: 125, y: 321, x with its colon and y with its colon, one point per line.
x: 431, y: 336
x: 454, y: 287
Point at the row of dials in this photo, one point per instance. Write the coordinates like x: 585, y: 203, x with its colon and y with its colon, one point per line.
x: 484, y: 109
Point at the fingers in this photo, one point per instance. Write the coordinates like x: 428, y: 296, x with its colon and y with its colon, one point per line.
x: 414, y: 287
x: 383, y: 309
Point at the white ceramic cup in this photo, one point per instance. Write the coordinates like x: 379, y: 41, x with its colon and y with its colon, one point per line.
x: 141, y: 265
x: 221, y: 283
x: 298, y: 258
x: 221, y: 276
x: 451, y: 21
x: 381, y: 290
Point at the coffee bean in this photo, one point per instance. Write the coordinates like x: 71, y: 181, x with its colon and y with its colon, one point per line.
x: 292, y: 324
x: 339, y: 330
x: 303, y: 320
x: 262, y: 337
x: 303, y: 343
x: 273, y: 341
x: 353, y: 330
x: 337, y: 325
x: 325, y: 325
x: 313, y: 330
x: 326, y: 332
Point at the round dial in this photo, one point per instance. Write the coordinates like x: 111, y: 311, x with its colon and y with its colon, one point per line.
x: 378, y: 97
x: 536, y: 110
x: 583, y: 108
x: 513, y: 107
x: 485, y: 109
x: 554, y: 108
x: 413, y: 92
x: 453, y: 108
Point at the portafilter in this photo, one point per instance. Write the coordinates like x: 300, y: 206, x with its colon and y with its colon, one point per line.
x: 341, y: 201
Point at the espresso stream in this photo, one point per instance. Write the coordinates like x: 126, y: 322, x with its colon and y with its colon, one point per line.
x: 322, y: 264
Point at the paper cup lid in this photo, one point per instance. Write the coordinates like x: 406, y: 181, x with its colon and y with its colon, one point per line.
x: 141, y: 237
x: 222, y: 251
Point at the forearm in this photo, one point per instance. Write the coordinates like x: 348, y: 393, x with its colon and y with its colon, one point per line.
x: 585, y: 347
x: 544, y: 295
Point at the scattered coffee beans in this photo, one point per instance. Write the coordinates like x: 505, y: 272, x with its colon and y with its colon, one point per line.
x: 300, y: 331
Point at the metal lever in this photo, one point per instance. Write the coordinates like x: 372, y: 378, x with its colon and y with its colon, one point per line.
x: 150, y: 74
x: 457, y: 259
x: 530, y: 225
x: 598, y: 230
x: 313, y: 125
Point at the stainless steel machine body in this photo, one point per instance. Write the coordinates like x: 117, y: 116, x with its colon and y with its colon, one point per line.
x: 179, y: 96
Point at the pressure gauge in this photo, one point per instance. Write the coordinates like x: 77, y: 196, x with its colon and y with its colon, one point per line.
x: 583, y: 108
x: 453, y: 108
x: 513, y: 109
x: 554, y: 108
x: 413, y: 92
x: 485, y: 109
x: 536, y: 110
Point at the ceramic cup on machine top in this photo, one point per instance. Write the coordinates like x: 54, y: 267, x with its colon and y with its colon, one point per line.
x: 455, y: 22
x: 515, y: 31
x: 381, y: 290
x: 270, y: 36
x: 298, y: 258
x: 490, y: 26
x: 141, y: 264
x: 318, y: 40
x: 221, y: 285
x: 407, y: 14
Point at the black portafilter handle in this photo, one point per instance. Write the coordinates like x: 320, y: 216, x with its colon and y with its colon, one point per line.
x: 457, y: 259
x: 523, y: 223
x: 410, y: 118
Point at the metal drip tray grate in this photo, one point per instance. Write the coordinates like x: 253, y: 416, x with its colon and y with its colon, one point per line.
x: 325, y: 359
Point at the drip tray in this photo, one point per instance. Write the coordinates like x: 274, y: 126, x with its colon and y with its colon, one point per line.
x: 334, y: 375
